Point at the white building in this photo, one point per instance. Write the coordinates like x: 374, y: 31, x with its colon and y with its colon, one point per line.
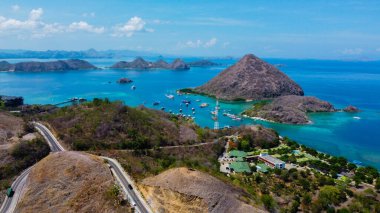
x: 272, y: 161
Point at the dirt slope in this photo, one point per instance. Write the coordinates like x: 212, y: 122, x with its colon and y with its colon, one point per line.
x: 10, y: 126
x: 184, y: 190
x: 68, y: 182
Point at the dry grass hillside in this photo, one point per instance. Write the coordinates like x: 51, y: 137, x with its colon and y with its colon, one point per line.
x: 20, y: 148
x: 185, y: 190
x: 111, y: 125
x: 70, y: 182
x: 10, y: 127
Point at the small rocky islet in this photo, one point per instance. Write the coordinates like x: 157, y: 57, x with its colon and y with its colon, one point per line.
x: 124, y: 81
x: 280, y: 99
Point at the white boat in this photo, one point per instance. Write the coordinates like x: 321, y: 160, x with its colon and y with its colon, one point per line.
x: 170, y: 96
x: 203, y: 105
x: 133, y: 87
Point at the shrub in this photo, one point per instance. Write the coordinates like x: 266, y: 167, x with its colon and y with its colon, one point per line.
x: 268, y: 202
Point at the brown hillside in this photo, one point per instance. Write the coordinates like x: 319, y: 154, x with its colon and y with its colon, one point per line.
x: 191, y: 190
x: 69, y: 182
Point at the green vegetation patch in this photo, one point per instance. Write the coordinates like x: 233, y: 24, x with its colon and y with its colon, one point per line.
x: 25, y: 154
x: 256, y: 107
x: 102, y: 124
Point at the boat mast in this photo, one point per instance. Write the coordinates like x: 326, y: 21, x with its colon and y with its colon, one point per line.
x: 216, y: 122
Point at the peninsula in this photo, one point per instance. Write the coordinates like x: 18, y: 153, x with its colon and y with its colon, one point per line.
x: 291, y: 109
x: 34, y: 66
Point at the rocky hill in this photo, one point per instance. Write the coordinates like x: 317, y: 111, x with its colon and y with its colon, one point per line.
x: 250, y: 78
x: 140, y: 63
x: 184, y: 190
x: 60, y: 65
x: 69, y: 182
x: 290, y: 109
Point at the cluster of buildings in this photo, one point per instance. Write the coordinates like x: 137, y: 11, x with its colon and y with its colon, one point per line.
x: 237, y: 161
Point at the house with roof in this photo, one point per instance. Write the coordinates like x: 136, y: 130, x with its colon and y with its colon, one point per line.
x: 271, y: 161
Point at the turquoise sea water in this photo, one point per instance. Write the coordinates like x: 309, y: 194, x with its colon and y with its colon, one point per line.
x: 341, y: 83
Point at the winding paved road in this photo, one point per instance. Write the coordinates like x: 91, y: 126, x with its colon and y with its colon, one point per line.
x: 9, y: 204
x: 125, y: 181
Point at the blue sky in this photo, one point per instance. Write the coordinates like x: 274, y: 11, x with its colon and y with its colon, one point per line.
x: 277, y: 29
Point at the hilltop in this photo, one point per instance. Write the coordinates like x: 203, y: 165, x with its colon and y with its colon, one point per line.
x: 185, y: 190
x: 83, y: 183
x: 250, y: 78
x: 33, y: 66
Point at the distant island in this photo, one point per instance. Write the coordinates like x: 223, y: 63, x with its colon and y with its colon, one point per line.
x: 177, y: 64
x: 280, y: 98
x: 62, y: 54
x: 33, y: 66
x: 202, y: 63
x: 140, y: 63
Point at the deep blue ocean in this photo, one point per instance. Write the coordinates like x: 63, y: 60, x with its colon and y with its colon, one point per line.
x: 354, y: 136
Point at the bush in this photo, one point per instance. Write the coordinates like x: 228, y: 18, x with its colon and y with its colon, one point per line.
x: 268, y: 202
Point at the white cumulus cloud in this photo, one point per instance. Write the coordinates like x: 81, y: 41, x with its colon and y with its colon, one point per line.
x: 198, y: 43
x: 352, y: 51
x: 33, y: 24
x: 133, y: 25
x: 210, y: 43
x: 84, y: 26
x: 34, y: 27
x: 194, y: 44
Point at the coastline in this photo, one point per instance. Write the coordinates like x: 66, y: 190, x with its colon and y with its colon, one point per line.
x: 270, y: 121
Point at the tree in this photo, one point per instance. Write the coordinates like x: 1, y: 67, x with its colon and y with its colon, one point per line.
x: 306, y: 200
x: 329, y: 195
x: 377, y: 185
x: 268, y: 202
x: 294, y: 206
x: 357, y: 180
x: 244, y: 145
